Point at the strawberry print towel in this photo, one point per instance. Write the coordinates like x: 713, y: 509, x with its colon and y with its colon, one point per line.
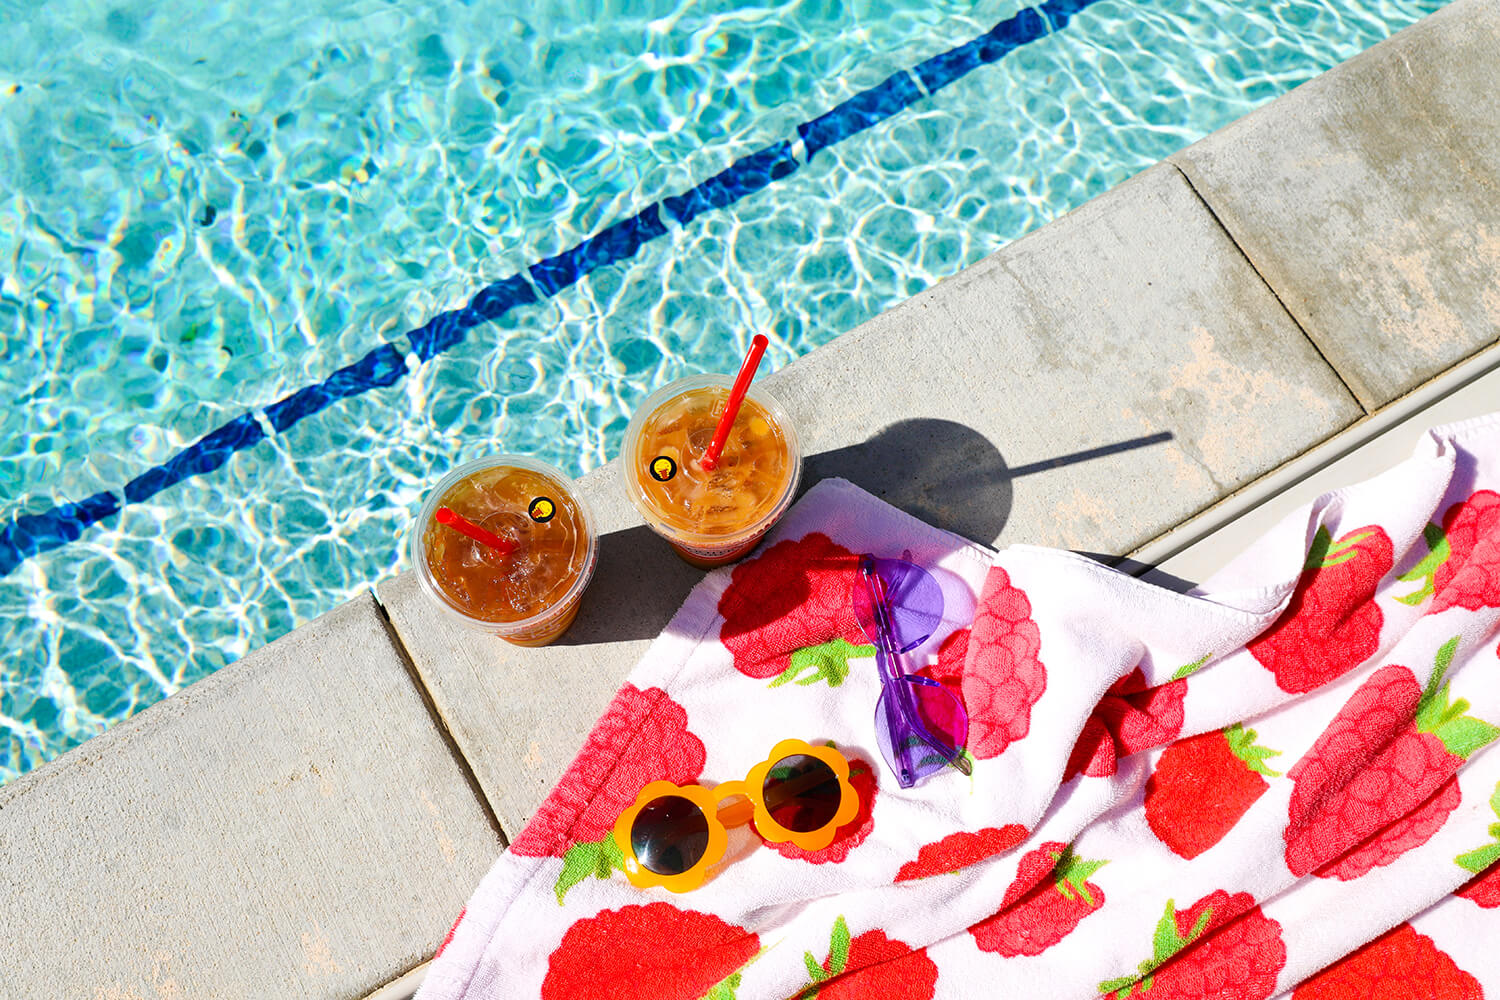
x: 1279, y: 783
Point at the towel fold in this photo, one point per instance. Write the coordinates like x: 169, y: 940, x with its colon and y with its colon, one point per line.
x: 1211, y: 794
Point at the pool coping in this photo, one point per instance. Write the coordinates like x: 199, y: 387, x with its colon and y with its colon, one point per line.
x: 473, y: 815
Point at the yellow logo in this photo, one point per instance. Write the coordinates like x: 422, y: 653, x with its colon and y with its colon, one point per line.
x: 663, y: 468
x: 542, y: 509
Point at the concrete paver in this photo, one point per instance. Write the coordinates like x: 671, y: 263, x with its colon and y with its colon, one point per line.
x: 1084, y: 387
x: 294, y: 826
x: 1196, y: 549
x: 1369, y: 199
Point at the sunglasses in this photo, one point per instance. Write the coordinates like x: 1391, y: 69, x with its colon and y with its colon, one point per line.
x: 920, y: 725
x: 674, y: 833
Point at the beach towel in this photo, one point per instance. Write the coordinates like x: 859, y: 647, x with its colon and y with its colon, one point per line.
x: 1280, y: 782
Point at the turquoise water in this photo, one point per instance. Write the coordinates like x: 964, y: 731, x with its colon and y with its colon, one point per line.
x: 207, y: 206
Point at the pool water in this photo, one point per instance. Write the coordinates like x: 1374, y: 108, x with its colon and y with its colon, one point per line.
x: 205, y: 208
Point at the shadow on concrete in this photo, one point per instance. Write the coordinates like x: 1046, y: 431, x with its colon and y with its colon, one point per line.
x: 940, y: 471
x: 637, y: 587
x: 1144, y: 571
x: 945, y: 473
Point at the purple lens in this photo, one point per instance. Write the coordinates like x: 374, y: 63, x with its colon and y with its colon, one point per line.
x: 915, y: 600
x: 669, y: 835
x: 921, y: 726
x: 801, y: 793
x: 925, y: 734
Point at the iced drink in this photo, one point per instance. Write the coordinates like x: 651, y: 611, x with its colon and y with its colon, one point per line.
x: 710, y: 517
x: 528, y: 595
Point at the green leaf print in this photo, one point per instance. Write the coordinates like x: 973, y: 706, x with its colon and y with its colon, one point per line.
x: 1426, y: 570
x: 598, y: 859
x: 1481, y: 858
x: 826, y: 662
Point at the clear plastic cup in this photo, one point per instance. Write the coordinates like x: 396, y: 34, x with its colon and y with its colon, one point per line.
x: 710, y: 518
x: 528, y: 596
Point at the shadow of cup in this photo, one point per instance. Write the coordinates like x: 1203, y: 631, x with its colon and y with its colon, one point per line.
x: 939, y: 471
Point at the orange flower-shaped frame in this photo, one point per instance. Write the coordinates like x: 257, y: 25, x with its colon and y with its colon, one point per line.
x: 735, y: 803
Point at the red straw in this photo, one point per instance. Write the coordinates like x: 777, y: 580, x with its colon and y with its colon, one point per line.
x: 474, y: 531
x: 736, y: 397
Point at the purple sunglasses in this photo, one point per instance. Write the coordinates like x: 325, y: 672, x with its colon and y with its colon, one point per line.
x: 921, y: 726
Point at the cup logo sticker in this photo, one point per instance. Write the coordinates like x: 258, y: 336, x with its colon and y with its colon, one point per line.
x: 541, y: 509
x: 663, y: 468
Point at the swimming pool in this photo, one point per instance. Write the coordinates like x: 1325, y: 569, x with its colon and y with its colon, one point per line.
x: 208, y: 212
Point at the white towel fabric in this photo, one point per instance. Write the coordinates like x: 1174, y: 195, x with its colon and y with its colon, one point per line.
x: 1213, y: 794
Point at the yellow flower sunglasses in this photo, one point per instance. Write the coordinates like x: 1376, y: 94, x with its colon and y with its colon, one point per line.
x: 674, y: 834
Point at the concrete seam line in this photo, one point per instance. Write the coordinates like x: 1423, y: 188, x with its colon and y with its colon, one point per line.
x: 439, y: 722
x: 1245, y: 255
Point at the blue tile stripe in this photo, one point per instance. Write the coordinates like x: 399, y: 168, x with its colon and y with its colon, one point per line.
x: 204, y: 455
x: 744, y: 176
x: 619, y: 242
x: 447, y: 329
x: 381, y: 367
x: 895, y: 93
x: 494, y: 301
x: 30, y: 534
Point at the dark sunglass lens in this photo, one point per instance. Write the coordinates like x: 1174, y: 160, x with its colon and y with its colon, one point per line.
x: 669, y: 835
x: 802, y: 793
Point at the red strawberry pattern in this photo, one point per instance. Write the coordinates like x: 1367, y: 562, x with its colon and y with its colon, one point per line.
x: 870, y: 965
x: 1372, y: 717
x: 1332, y: 623
x: 1462, y: 569
x: 1367, y: 780
x: 788, y: 616
x: 1050, y: 896
x: 1483, y: 889
x: 948, y: 668
x: 1378, y: 782
x: 959, y: 850
x: 851, y: 834
x: 642, y: 737
x: 1222, y: 947
x: 1484, y: 862
x: 652, y: 951
x: 1399, y: 963
x: 1426, y: 570
x: 1142, y: 717
x: 1411, y: 831
x: 1203, y: 785
x: 1094, y: 754
x: 1129, y: 718
x: 1003, y: 674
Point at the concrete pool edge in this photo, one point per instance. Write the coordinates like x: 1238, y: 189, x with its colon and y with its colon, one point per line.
x: 343, y: 748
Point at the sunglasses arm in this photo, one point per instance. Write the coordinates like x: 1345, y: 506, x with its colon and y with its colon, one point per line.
x: 887, y: 657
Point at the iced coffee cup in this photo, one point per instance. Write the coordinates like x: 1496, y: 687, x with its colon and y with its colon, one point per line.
x: 710, y: 516
x: 506, y: 545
